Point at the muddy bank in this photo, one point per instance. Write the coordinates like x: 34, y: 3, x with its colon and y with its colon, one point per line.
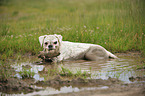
x: 135, y: 89
x: 14, y: 85
x: 115, y: 87
x: 130, y: 54
x: 18, y: 86
x: 129, y: 69
x: 132, y: 78
x: 78, y: 82
x: 9, y: 84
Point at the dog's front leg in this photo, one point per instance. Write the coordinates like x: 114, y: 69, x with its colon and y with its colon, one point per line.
x: 54, y: 59
x: 45, y: 50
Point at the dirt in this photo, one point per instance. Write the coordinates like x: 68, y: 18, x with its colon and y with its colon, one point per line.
x: 130, y: 53
x: 9, y: 84
x: 136, y: 78
x: 115, y: 86
x: 79, y: 82
x: 14, y: 85
x: 48, y: 56
x: 115, y: 90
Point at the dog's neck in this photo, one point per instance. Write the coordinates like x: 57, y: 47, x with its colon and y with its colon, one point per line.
x: 57, y: 50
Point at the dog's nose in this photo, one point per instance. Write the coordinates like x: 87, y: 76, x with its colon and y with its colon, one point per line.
x: 50, y: 46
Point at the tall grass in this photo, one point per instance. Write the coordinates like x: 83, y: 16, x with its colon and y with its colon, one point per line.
x: 117, y: 25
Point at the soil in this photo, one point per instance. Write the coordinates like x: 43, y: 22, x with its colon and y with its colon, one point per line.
x: 13, y: 85
x: 57, y: 82
x: 130, y: 53
x: 116, y: 87
x: 114, y: 90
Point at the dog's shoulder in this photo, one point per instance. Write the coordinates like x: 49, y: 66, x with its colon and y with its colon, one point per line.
x: 73, y: 49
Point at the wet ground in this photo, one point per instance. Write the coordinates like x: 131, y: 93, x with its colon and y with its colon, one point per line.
x: 124, y: 76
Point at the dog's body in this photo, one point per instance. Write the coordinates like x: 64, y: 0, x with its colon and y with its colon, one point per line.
x: 73, y: 51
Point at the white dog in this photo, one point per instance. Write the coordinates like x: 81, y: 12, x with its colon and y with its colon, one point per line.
x: 73, y: 51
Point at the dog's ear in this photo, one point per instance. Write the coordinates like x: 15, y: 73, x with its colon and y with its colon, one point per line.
x: 41, y: 39
x: 59, y: 38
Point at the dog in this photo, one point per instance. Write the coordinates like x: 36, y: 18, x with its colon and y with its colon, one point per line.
x: 73, y: 51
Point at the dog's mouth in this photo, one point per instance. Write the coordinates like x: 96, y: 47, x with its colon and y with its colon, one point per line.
x: 50, y: 49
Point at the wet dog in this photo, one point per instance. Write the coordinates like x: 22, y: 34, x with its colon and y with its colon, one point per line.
x: 65, y: 50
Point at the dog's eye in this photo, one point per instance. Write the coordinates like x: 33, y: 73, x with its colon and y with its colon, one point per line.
x: 55, y: 42
x: 46, y: 43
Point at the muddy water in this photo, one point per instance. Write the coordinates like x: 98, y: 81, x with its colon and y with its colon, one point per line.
x: 121, y: 68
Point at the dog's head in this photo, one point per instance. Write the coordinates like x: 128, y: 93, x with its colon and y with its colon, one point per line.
x: 51, y: 42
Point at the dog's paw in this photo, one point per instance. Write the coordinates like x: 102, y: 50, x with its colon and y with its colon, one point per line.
x: 47, y: 55
x: 52, y: 54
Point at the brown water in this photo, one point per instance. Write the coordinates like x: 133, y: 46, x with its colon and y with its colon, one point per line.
x: 121, y: 68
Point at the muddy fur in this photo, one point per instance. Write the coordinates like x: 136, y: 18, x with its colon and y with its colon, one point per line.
x: 47, y: 55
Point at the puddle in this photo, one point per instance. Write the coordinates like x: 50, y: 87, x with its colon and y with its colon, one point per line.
x: 65, y: 89
x: 122, y: 68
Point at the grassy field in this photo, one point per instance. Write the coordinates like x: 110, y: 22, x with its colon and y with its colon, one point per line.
x: 117, y: 25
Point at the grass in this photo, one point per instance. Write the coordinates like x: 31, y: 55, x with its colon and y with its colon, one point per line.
x: 140, y: 66
x: 117, y: 25
x: 26, y: 74
x: 6, y: 71
x: 67, y: 73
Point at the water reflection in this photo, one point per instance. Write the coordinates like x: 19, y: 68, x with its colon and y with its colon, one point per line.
x: 122, y: 69
x: 65, y: 89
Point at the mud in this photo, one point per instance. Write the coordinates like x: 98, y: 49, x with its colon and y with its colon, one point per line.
x: 136, y: 78
x: 13, y: 85
x: 116, y: 87
x: 57, y: 82
x: 48, y: 56
x: 115, y: 90
x: 130, y: 82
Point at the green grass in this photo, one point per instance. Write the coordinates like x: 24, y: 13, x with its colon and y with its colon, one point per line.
x: 117, y: 25
x: 67, y: 73
x: 6, y: 71
x: 26, y: 74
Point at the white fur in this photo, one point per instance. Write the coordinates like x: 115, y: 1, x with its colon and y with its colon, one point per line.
x: 74, y: 51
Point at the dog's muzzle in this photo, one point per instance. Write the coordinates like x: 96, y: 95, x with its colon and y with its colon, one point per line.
x: 50, y: 47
